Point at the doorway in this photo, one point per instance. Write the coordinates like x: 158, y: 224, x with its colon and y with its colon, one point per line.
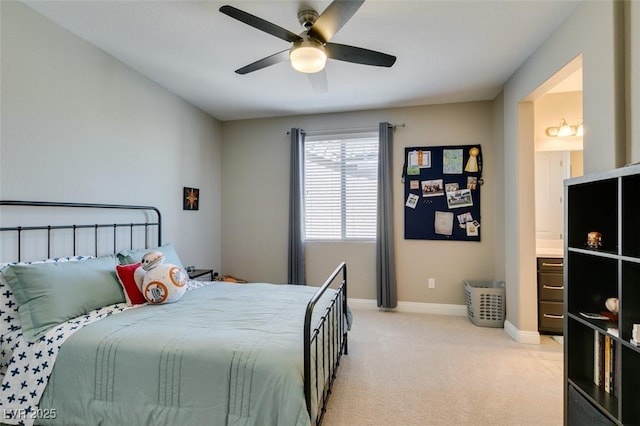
x: 558, y: 156
x: 558, y: 130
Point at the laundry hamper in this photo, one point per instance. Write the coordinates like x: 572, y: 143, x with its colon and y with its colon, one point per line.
x: 485, y: 302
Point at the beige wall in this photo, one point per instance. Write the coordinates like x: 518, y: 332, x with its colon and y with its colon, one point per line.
x: 593, y: 31
x: 78, y: 125
x: 500, y: 195
x: 256, y: 190
x: 633, y: 79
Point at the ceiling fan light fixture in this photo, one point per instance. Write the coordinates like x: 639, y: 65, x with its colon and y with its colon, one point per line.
x: 308, y: 56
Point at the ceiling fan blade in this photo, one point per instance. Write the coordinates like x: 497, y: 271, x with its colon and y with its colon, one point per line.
x: 260, y: 24
x: 265, y: 62
x: 333, y: 18
x: 358, y: 55
x: 318, y: 81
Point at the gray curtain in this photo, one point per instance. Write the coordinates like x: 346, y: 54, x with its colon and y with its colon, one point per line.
x: 385, y: 253
x: 296, y: 273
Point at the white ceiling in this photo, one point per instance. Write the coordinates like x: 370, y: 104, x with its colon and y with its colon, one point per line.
x: 448, y: 51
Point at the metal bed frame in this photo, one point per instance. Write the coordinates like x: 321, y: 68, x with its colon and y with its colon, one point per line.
x: 147, y: 225
x: 329, y: 337
x: 326, y: 342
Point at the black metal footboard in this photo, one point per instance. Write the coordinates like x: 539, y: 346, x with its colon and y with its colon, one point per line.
x: 325, y: 342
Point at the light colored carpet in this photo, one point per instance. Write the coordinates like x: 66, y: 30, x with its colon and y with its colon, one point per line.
x: 419, y: 369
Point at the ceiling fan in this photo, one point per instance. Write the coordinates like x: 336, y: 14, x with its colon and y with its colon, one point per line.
x: 311, y: 48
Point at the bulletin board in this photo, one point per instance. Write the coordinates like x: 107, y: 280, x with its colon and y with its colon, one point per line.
x: 442, y: 192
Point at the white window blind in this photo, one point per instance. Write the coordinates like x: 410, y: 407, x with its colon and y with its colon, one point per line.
x: 340, y: 186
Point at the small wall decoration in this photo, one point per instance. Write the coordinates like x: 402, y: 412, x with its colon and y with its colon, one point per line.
x: 190, y: 198
x: 594, y: 240
x: 472, y: 162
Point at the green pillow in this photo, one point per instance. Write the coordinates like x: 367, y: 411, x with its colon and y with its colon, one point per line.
x: 49, y: 294
x: 127, y: 257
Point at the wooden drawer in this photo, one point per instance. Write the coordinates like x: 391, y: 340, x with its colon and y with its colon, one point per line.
x: 550, y: 286
x: 551, y: 317
x: 550, y: 264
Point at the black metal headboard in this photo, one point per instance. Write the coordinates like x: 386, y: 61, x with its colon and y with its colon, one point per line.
x: 151, y: 226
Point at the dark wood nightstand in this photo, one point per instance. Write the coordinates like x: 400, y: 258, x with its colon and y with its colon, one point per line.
x: 196, y: 273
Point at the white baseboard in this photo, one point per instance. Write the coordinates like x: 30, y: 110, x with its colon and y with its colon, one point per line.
x: 413, y: 307
x: 528, y: 337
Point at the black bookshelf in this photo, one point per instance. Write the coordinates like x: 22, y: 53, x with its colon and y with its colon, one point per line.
x: 602, y: 381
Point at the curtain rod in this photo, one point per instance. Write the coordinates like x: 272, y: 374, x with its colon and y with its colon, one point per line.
x: 349, y: 129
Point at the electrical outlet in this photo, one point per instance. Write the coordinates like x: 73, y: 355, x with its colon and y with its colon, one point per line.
x: 432, y: 283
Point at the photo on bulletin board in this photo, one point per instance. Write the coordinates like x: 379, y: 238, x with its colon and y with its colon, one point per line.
x: 442, y: 192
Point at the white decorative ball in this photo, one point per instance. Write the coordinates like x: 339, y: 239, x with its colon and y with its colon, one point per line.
x: 612, y: 304
x: 165, y: 283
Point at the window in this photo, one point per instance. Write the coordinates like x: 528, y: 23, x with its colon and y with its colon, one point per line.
x: 340, y: 186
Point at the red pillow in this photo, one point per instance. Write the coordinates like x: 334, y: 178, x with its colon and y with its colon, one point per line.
x: 131, y: 291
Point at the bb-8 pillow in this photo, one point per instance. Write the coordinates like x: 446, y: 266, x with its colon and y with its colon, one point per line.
x: 164, y: 283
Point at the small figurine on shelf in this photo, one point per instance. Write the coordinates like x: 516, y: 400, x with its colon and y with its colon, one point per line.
x: 594, y: 240
x: 612, y: 305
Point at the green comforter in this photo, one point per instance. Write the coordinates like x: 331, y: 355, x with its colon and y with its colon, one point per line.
x: 226, y: 354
